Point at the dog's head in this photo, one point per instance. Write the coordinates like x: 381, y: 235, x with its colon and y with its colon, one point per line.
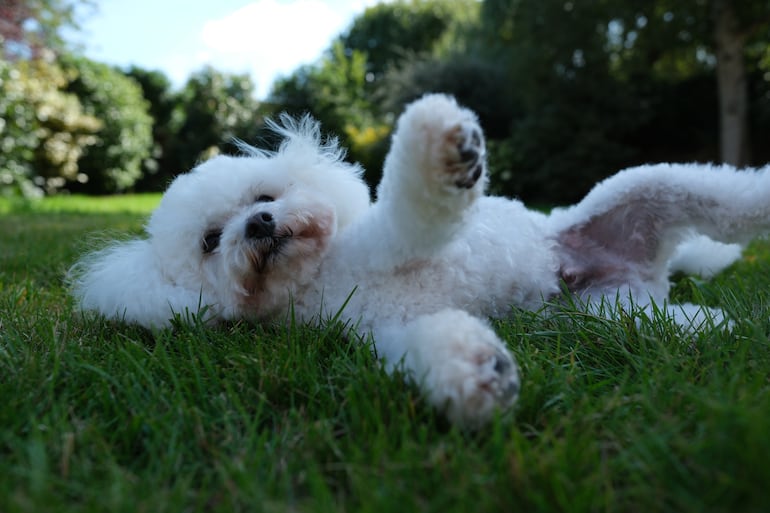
x: 236, y: 234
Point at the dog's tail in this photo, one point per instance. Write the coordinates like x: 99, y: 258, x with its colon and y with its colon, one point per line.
x: 627, y: 229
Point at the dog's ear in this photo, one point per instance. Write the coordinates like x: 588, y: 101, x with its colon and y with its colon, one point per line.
x: 125, y: 282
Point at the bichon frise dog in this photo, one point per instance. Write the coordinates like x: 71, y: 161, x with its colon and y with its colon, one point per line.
x: 424, y: 266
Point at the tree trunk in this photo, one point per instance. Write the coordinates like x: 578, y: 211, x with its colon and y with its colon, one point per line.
x: 732, y: 85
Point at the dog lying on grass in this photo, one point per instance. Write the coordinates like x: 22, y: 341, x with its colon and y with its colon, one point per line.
x: 425, y: 265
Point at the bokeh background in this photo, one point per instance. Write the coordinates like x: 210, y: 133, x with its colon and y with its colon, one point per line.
x: 568, y: 92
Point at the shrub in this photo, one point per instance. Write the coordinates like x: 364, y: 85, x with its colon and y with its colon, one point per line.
x: 43, y: 130
x: 114, y: 163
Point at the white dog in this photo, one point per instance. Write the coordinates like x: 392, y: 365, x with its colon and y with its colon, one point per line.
x: 423, y: 267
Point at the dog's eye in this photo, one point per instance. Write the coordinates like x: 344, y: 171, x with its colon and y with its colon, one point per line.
x: 264, y: 198
x: 211, y: 241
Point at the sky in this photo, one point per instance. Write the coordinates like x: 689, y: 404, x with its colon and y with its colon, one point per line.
x: 265, y: 38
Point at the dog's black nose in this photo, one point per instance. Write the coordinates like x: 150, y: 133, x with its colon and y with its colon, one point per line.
x: 260, y: 225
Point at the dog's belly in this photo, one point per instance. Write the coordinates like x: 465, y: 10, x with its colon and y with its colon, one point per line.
x: 501, y: 259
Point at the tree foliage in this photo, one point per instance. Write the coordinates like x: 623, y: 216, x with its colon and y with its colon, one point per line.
x: 72, y: 124
x: 114, y: 162
x: 568, y: 92
x: 602, y: 85
x: 344, y: 89
x: 43, y: 129
x: 390, y: 33
x: 216, y: 109
x: 334, y: 91
x: 167, y: 114
x: 29, y: 27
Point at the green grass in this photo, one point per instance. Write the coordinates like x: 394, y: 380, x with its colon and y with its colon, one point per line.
x: 613, y: 416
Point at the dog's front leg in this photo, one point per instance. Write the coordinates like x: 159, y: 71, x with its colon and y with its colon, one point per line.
x: 463, y: 368
x: 434, y: 172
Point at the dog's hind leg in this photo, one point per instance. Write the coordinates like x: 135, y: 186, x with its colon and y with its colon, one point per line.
x: 701, y: 256
x: 433, y: 173
x: 620, y: 238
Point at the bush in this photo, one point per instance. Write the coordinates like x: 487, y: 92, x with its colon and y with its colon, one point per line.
x: 214, y: 109
x: 476, y: 82
x: 43, y: 130
x: 114, y: 163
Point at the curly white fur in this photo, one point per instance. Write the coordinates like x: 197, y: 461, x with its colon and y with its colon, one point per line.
x: 428, y: 262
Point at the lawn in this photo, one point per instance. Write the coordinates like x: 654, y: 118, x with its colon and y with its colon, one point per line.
x: 628, y: 415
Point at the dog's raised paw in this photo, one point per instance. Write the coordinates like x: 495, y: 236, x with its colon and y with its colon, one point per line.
x: 464, y: 154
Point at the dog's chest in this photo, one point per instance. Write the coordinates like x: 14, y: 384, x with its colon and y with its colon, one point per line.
x: 502, y: 258
x: 482, y: 283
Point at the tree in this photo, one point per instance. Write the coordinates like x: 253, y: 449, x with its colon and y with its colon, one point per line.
x: 28, y: 27
x: 717, y: 37
x: 44, y: 130
x: 114, y: 163
x: 167, y: 115
x: 572, y: 118
x: 612, y: 83
x: 217, y: 108
x: 711, y: 36
x: 389, y: 33
x: 334, y: 92
x: 474, y: 80
x: 734, y: 26
x: 343, y: 89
